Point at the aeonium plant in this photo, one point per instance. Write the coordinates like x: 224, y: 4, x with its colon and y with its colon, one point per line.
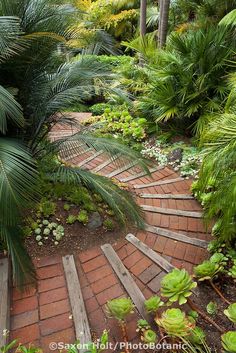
x: 230, y: 312
x: 228, y: 341
x: 175, y: 323
x: 177, y: 286
x: 120, y: 308
x: 153, y: 304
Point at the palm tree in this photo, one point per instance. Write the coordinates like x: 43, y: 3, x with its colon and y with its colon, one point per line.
x: 163, y: 21
x: 143, y: 17
x: 35, y: 84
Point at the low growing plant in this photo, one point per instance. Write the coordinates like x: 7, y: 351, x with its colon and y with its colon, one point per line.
x: 108, y: 224
x: 211, y: 308
x: 83, y: 217
x: 71, y: 219
x: 230, y: 312
x: 153, y: 304
x: 175, y: 323
x: 177, y: 286
x: 228, y: 341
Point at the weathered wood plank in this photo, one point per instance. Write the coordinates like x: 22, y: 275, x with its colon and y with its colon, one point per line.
x: 90, y: 158
x: 4, y: 299
x: 158, y: 183
x: 176, y: 236
x: 140, y: 175
x: 121, y: 170
x: 105, y: 164
x: 155, y: 257
x: 171, y: 211
x: 76, y: 300
x: 78, y: 154
x: 126, y: 279
x: 167, y: 196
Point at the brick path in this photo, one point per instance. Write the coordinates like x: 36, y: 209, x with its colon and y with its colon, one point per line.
x: 43, y: 315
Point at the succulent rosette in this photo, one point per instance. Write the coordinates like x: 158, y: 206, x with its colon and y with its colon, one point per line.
x: 120, y: 308
x: 153, y: 304
x: 230, y: 312
x: 207, y: 270
x: 177, y: 286
x: 175, y: 323
x: 228, y: 341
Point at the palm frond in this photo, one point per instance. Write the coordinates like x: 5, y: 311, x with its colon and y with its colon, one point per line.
x: 10, y: 30
x: 18, y: 179
x: 120, y: 201
x: 9, y: 109
x: 22, y: 268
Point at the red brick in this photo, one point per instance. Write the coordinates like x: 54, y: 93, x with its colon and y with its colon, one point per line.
x: 50, y: 271
x: 47, y: 261
x: 55, y: 324
x: 65, y: 336
x: 26, y: 335
x: 87, y: 292
x: 177, y: 263
x: 190, y: 253
x: 193, y: 224
x: 94, y: 264
x: 132, y: 259
x: 149, y: 273
x: 91, y: 305
x: 52, y: 283
x: 53, y: 296
x: 155, y: 284
x: 160, y: 244
x: 97, y: 321
x: 170, y: 247
x: 150, y: 240
x: 103, y: 283
x: 180, y: 250
x: 140, y: 266
x: 16, y: 294
x: 53, y: 309
x: 23, y: 305
x: 24, y: 319
x: 165, y: 221
x: 89, y: 254
x: 110, y: 293
x: 99, y: 273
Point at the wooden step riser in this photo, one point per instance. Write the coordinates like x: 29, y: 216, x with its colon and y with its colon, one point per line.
x: 4, y: 299
x: 170, y: 211
x: 158, y: 183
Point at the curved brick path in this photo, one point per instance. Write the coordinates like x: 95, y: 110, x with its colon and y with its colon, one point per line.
x: 43, y: 315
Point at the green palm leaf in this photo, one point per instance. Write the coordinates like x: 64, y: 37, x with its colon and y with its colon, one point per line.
x: 9, y: 109
x: 18, y: 179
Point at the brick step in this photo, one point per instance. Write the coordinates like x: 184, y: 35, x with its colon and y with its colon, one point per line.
x: 82, y: 151
x: 176, y: 236
x: 105, y: 163
x: 68, y: 147
x: 167, y: 196
x: 140, y: 175
x: 90, y: 158
x: 158, y: 183
x: 170, y: 211
x: 121, y: 169
x: 4, y: 299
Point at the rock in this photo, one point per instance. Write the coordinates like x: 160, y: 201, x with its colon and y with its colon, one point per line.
x: 95, y: 221
x: 175, y: 156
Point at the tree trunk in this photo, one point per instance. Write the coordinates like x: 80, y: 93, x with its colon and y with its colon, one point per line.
x: 143, y: 17
x: 163, y: 21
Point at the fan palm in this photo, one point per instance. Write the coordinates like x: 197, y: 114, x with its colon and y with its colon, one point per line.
x: 219, y: 166
x: 35, y: 85
x: 188, y: 78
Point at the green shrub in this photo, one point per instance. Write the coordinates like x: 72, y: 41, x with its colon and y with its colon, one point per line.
x: 108, y: 224
x: 47, y: 207
x: 83, y: 217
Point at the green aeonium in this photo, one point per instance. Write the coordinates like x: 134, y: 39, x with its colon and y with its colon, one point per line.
x: 153, y: 304
x: 206, y: 270
x: 230, y: 312
x: 175, y: 323
x: 119, y: 308
x: 177, y: 286
x: 228, y: 341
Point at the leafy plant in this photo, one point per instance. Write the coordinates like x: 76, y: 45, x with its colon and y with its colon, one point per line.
x: 120, y: 308
x: 66, y: 207
x: 47, y: 208
x: 230, y: 312
x: 149, y: 336
x: 71, y: 219
x: 177, y: 286
x: 207, y: 270
x: 108, y: 224
x: 232, y: 270
x: 83, y: 217
x: 175, y: 323
x: 228, y: 341
x: 153, y: 304
x: 211, y: 308
x: 197, y: 336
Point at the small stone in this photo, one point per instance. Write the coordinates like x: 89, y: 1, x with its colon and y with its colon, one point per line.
x: 95, y: 221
